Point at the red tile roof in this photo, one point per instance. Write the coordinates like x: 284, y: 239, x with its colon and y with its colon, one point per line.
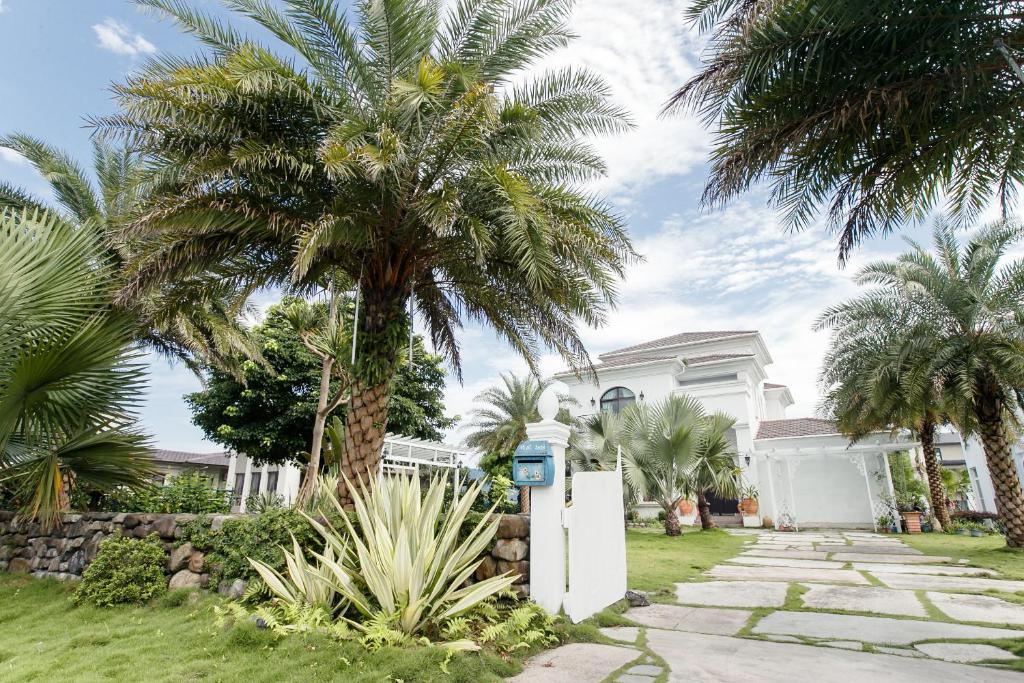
x: 800, y: 426
x: 681, y: 338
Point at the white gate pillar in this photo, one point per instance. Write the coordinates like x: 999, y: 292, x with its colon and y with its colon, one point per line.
x: 547, y: 504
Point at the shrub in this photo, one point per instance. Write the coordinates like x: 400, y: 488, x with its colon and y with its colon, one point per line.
x: 125, y: 571
x: 973, y: 515
x: 187, y: 493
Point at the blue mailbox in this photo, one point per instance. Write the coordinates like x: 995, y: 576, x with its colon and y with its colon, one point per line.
x: 533, y: 464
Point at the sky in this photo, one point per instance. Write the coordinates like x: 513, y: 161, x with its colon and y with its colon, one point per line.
x: 734, y: 268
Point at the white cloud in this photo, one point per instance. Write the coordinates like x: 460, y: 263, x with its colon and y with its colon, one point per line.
x: 10, y: 156
x: 121, y: 39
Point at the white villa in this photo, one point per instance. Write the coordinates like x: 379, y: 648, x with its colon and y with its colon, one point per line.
x: 807, y: 474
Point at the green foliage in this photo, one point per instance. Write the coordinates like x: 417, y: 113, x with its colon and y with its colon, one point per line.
x: 877, y: 111
x: 269, y: 417
x: 911, y: 492
x: 124, y: 571
x: 254, y: 536
x: 189, y: 492
x: 506, y: 624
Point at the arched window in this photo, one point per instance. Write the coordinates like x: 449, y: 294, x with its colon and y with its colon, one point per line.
x: 616, y: 399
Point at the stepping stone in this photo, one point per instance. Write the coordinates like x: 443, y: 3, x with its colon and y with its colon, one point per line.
x: 960, y: 583
x: 786, y: 562
x: 964, y: 607
x: 785, y: 639
x: 724, y: 622
x: 886, y: 557
x: 787, y: 574
x: 874, y: 629
x: 634, y: 678
x: 698, y: 657
x: 843, y: 644
x: 938, y: 569
x: 887, y: 549
x: 858, y: 599
x: 902, y: 652
x: 644, y: 670
x: 791, y: 554
x: 733, y: 593
x: 623, y: 634
x: 965, y: 652
x: 577, y: 662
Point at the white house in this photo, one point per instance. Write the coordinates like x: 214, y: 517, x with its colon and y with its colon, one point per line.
x: 808, y: 474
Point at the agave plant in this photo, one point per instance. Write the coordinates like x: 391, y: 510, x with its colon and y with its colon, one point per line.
x: 403, y: 561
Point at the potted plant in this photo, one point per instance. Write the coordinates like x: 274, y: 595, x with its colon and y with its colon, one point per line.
x: 685, y: 507
x: 910, y: 510
x: 748, y: 506
x: 884, y: 523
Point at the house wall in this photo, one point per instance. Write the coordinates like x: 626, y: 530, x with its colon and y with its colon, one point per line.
x: 170, y: 470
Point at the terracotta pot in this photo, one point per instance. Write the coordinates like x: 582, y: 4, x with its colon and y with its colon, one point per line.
x: 748, y: 506
x: 912, y: 522
x: 685, y: 508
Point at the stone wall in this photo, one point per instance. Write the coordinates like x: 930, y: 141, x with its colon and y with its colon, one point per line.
x: 66, y: 551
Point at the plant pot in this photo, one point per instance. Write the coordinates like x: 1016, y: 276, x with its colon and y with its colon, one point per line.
x: 685, y: 508
x: 748, y: 507
x: 977, y: 533
x: 911, y: 521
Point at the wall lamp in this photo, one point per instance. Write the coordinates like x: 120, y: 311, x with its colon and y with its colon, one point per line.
x: 592, y: 402
x: 641, y: 395
x: 747, y: 458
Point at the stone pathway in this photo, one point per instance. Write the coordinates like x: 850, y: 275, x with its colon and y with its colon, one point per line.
x: 825, y: 605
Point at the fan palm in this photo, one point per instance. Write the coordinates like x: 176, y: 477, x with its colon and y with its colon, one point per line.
x: 498, y: 423
x: 68, y: 375
x: 713, y: 469
x: 872, y: 383
x: 965, y: 336
x: 404, y: 150
x: 875, y: 109
x: 194, y: 320
x: 597, y: 443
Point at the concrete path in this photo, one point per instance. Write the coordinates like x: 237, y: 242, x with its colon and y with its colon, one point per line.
x: 818, y: 606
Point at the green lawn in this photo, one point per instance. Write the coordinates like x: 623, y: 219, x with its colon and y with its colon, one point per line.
x: 657, y: 561
x: 988, y: 551
x: 43, y: 637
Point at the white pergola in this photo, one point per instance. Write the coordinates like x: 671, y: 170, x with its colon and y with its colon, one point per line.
x: 406, y: 455
x: 790, y: 459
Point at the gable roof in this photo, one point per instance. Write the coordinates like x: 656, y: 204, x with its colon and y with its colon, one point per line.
x: 800, y: 426
x: 697, y: 360
x: 681, y: 338
x: 218, y: 459
x: 616, y: 361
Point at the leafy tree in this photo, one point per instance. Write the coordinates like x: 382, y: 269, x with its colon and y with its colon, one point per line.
x: 499, y: 423
x: 270, y: 416
x: 872, y: 384
x: 194, y: 319
x: 876, y: 109
x: 965, y: 335
x: 69, y: 376
x: 405, y: 152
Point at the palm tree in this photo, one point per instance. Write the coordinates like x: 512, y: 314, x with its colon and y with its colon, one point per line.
x: 194, y: 320
x: 596, y: 444
x: 499, y: 422
x: 873, y: 383
x: 69, y: 377
x: 713, y: 470
x: 965, y: 336
x: 405, y: 151
x: 875, y: 109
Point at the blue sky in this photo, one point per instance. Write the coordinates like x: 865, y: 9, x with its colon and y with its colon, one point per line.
x: 730, y: 269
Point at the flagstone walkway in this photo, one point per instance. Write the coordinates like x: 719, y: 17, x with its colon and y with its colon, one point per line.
x: 812, y: 606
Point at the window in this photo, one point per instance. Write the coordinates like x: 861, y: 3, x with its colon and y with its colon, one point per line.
x: 938, y: 454
x: 616, y: 399
x: 272, y: 481
x: 254, y: 482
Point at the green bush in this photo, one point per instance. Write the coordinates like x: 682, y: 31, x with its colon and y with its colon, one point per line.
x: 125, y: 571
x: 187, y: 493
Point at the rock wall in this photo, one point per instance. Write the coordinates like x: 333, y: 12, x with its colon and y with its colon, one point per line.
x: 66, y: 551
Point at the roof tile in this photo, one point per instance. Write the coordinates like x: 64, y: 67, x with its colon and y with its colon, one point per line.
x: 681, y: 338
x: 800, y: 426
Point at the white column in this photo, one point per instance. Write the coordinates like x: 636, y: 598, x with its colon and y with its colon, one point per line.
x: 547, y: 504
x: 771, y: 489
x: 863, y: 467
x: 264, y: 475
x: 288, y: 482
x: 792, y: 496
x: 246, y: 483
x: 229, y: 484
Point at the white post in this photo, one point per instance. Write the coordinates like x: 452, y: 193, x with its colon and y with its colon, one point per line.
x: 229, y: 484
x: 771, y: 489
x: 246, y: 484
x: 867, y: 487
x: 547, y: 504
x: 792, y: 496
x: 264, y: 476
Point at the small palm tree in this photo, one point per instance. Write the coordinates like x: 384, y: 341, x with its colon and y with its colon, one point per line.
x: 874, y: 110
x: 405, y: 151
x: 965, y: 335
x: 69, y: 377
x: 596, y: 444
x: 195, y: 320
x: 499, y: 423
x: 713, y: 470
x: 873, y: 382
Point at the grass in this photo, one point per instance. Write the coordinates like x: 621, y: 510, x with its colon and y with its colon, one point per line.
x: 657, y: 561
x: 989, y: 552
x: 44, y: 637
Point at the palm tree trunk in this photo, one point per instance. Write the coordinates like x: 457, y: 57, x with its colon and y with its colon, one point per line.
x: 319, y: 421
x: 704, y: 507
x: 996, y: 442
x: 524, y: 500
x: 365, y: 427
x: 938, y: 494
x: 671, y: 522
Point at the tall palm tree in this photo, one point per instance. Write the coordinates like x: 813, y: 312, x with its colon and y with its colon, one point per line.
x: 404, y: 150
x: 498, y: 423
x: 69, y: 377
x: 873, y: 383
x: 875, y: 110
x: 194, y: 320
x: 966, y: 337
